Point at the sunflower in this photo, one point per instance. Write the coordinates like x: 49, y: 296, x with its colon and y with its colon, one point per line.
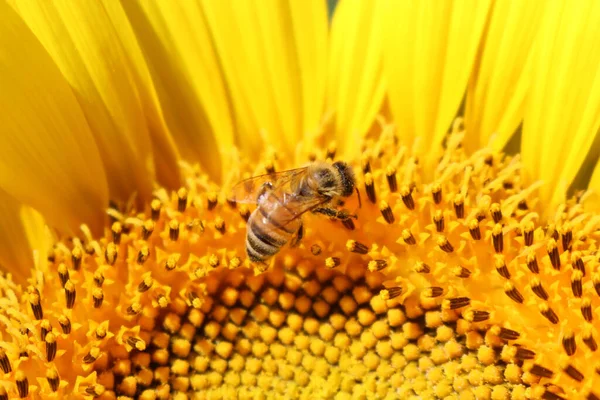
x: 471, y: 270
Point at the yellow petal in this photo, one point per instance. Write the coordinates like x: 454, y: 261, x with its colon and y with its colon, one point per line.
x: 22, y: 231
x: 273, y: 58
x: 48, y: 156
x: 497, y: 89
x: 563, y: 107
x: 429, y: 51
x: 187, y: 76
x: 85, y: 44
x: 356, y: 86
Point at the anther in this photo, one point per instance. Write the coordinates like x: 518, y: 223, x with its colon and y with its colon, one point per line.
x: 532, y: 263
x: 98, y: 278
x: 365, y: 165
x: 498, y: 238
x: 331, y: 150
x: 50, y: 346
x: 235, y: 262
x: 220, y: 225
x: 182, y: 197
x: 476, y: 315
x: 134, y: 309
x: 147, y: 229
x: 524, y: 354
x: 155, y: 207
x: 92, y: 356
x: 386, y: 211
x: 568, y: 343
x: 171, y: 263
x: 390, y: 293
x: 117, y: 230
x: 528, y: 230
x: 100, y: 332
x: 588, y: 338
x: 348, y: 224
x: 501, y: 267
x: 596, y: 282
x: 496, y: 212
x: 5, y: 362
x: 96, y: 390
x: 506, y: 334
x: 332, y: 262
x: 36, y: 306
x: 436, y: 193
x: 3, y: 393
x: 212, y: 201
x: 538, y: 289
x: 244, y: 212
x: 111, y: 253
x: 65, y: 324
x: 53, y: 379
x: 576, y: 284
x: 461, y: 272
x: 553, y: 255
x: 377, y: 265
x: 512, y: 292
x: 136, y: 343
x: 370, y: 188
x: 63, y: 274
x: 408, y: 237
x: 459, y: 206
x: 76, y: 256
x: 577, y: 262
x: 421, y: 268
x: 45, y: 327
x: 98, y: 297
x: 407, y: 198
x: 174, y: 230
x: 143, y: 255
x: 455, y: 303
x: 438, y: 220
x: 22, y: 384
x: 540, y: 371
x: 586, y: 309
x: 433, y: 291
x: 573, y: 372
x: 444, y: 244
x: 70, y: 294
x: 356, y: 247
x: 566, y: 237
x: 474, y: 229
x: 315, y: 249
x: 549, y: 313
x: 391, y: 179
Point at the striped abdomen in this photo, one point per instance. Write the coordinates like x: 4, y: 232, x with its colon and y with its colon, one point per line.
x: 269, y: 228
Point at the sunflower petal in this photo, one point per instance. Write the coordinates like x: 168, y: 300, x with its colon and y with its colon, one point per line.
x: 48, y: 156
x: 89, y: 52
x: 497, y: 90
x: 429, y: 52
x: 356, y: 87
x: 563, y: 107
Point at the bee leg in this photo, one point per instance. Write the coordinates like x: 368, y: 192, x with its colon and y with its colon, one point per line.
x: 333, y: 213
x: 298, y: 237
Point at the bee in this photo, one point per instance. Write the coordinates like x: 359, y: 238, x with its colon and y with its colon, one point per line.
x: 282, y: 198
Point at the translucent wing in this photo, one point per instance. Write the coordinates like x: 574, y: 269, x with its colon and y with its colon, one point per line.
x: 248, y: 190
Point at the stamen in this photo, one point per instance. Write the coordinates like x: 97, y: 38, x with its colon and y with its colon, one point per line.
x: 45, y: 327
x: 65, y: 324
x: 538, y: 370
x: 356, y: 247
x: 476, y: 315
x: 474, y: 229
x: 36, y: 306
x: 421, y: 268
x: 332, y: 262
x: 3, y: 393
x: 377, y: 265
x: 117, y: 230
x: 549, y: 313
x: 553, y: 255
x: 331, y: 150
x: 455, y: 303
x: 577, y: 262
x: 147, y: 229
x: 568, y: 343
x: 182, y: 197
x: 566, y: 236
x: 596, y: 282
x: 349, y: 224
x: 76, y: 256
x: 524, y: 354
x: 70, y: 294
x: 143, y: 255
x: 459, y: 206
x: 438, y: 219
x: 390, y: 293
x: 505, y: 333
x: 408, y: 237
x: 98, y: 297
x: 365, y: 165
x: 50, y: 346
x: 92, y: 356
x: 501, y: 267
x: 433, y: 291
x: 588, y: 339
x: 586, y: 309
x: 134, y: 309
x: 386, y: 211
x: 576, y: 284
x: 5, y: 362
x: 436, y: 193
x: 244, y: 212
x: 63, y: 274
x: 573, y: 372
x: 496, y: 212
x: 155, y: 207
x: 96, y: 390
x: 53, y: 379
x: 498, y: 238
x: 538, y: 289
x: 220, y: 225
x: 315, y: 249
x: 407, y: 199
x: 444, y: 244
x: 174, y: 230
x: 391, y: 179
x: 211, y: 201
x: 461, y: 272
x: 22, y: 384
x: 111, y: 253
x: 370, y: 188
x: 528, y: 230
x: 512, y: 292
x: 532, y: 263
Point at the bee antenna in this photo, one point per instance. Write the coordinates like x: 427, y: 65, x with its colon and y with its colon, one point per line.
x: 358, y: 194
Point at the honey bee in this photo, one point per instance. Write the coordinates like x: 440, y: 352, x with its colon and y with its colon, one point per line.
x: 282, y: 198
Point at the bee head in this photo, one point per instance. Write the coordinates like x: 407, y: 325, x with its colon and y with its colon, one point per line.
x: 346, y: 176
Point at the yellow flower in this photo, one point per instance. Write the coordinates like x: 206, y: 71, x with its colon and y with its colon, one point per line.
x: 467, y: 273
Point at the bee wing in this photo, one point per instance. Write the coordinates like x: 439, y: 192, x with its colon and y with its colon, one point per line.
x: 247, y: 191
